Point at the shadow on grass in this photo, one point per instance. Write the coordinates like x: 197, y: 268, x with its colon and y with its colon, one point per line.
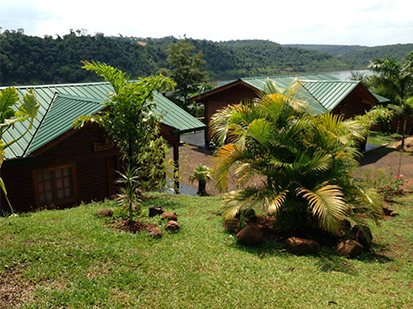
x: 375, y: 155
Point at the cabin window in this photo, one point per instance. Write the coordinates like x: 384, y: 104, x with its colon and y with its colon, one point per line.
x: 55, y: 186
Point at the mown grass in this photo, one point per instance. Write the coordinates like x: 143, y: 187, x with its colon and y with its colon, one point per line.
x: 74, y: 261
x: 380, y: 138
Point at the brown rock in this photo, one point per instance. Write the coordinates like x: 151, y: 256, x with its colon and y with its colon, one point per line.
x: 172, y: 226
x: 349, y: 248
x: 302, y: 246
x: 169, y: 215
x: 387, y: 211
x: 362, y: 234
x: 394, y: 214
x: 104, y: 212
x: 232, y: 225
x: 155, y: 211
x: 155, y: 232
x: 250, y: 235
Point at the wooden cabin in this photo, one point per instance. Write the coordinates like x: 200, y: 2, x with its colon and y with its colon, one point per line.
x: 323, y: 92
x: 54, y: 164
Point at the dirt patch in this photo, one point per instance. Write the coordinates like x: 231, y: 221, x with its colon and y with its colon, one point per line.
x: 191, y: 156
x: 15, y: 291
x: 131, y: 225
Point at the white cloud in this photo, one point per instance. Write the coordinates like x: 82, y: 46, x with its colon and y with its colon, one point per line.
x: 319, y: 21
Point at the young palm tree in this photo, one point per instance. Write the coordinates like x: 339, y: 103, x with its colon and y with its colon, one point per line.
x: 305, y: 162
x: 202, y: 174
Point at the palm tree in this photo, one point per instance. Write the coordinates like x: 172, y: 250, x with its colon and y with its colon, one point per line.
x: 202, y: 174
x: 395, y: 81
x: 405, y: 111
x: 305, y: 162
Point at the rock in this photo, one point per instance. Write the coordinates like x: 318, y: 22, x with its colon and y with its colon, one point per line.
x: 155, y: 232
x: 362, y: 234
x: 387, y: 211
x: 250, y: 235
x: 394, y: 214
x: 155, y: 211
x: 169, y: 215
x: 302, y: 246
x: 232, y: 225
x: 172, y: 226
x: 104, y: 212
x: 350, y: 248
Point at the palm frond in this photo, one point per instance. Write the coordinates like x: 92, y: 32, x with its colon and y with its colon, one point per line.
x: 275, y: 203
x: 225, y: 157
x: 327, y: 204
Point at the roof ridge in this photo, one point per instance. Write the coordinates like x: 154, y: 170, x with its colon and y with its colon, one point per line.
x: 69, y: 96
x: 55, y: 85
x: 311, y: 94
x: 329, y: 81
x: 284, y: 76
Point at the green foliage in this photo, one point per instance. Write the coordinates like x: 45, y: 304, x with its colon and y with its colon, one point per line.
x: 395, y: 80
x: 306, y: 162
x: 202, y: 174
x: 13, y: 111
x: 129, y: 181
x: 187, y: 70
x: 131, y: 122
x: 33, y: 60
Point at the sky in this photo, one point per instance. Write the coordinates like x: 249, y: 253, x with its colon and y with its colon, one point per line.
x: 347, y: 22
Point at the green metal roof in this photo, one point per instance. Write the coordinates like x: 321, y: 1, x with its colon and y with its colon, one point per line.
x: 61, y: 104
x: 380, y: 98
x: 323, y: 92
x: 63, y: 111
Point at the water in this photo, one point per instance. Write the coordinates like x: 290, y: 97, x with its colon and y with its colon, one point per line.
x: 343, y: 75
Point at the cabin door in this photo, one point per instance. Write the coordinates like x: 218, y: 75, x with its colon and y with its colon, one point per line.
x: 112, y: 165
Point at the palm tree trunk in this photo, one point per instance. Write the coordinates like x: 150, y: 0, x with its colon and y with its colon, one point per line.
x: 403, y: 134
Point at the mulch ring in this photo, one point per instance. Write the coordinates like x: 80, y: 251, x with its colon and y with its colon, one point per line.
x: 131, y: 225
x: 15, y: 292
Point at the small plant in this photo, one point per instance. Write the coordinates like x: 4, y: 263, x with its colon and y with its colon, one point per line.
x: 382, y: 182
x: 202, y: 174
x: 128, y: 197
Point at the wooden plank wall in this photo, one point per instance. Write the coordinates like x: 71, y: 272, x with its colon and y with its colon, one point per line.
x: 78, y: 148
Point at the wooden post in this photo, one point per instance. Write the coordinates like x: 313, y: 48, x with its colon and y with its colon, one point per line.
x: 176, y: 167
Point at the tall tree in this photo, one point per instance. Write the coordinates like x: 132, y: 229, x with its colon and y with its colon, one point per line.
x: 130, y: 121
x: 187, y: 69
x: 395, y: 81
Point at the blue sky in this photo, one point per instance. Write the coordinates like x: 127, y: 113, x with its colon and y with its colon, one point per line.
x: 362, y: 22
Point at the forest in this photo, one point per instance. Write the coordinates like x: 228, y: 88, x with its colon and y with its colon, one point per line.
x: 34, y: 60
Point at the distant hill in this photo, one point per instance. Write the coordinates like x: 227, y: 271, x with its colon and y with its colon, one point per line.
x: 360, y: 56
x: 335, y: 50
x: 34, y: 60
x: 365, y: 55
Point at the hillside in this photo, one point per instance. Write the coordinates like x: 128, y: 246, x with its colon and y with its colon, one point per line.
x: 335, y: 50
x: 365, y: 55
x: 34, y: 60
x: 360, y: 56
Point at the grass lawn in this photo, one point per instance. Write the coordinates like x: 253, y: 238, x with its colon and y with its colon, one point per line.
x: 69, y: 259
x: 379, y: 138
